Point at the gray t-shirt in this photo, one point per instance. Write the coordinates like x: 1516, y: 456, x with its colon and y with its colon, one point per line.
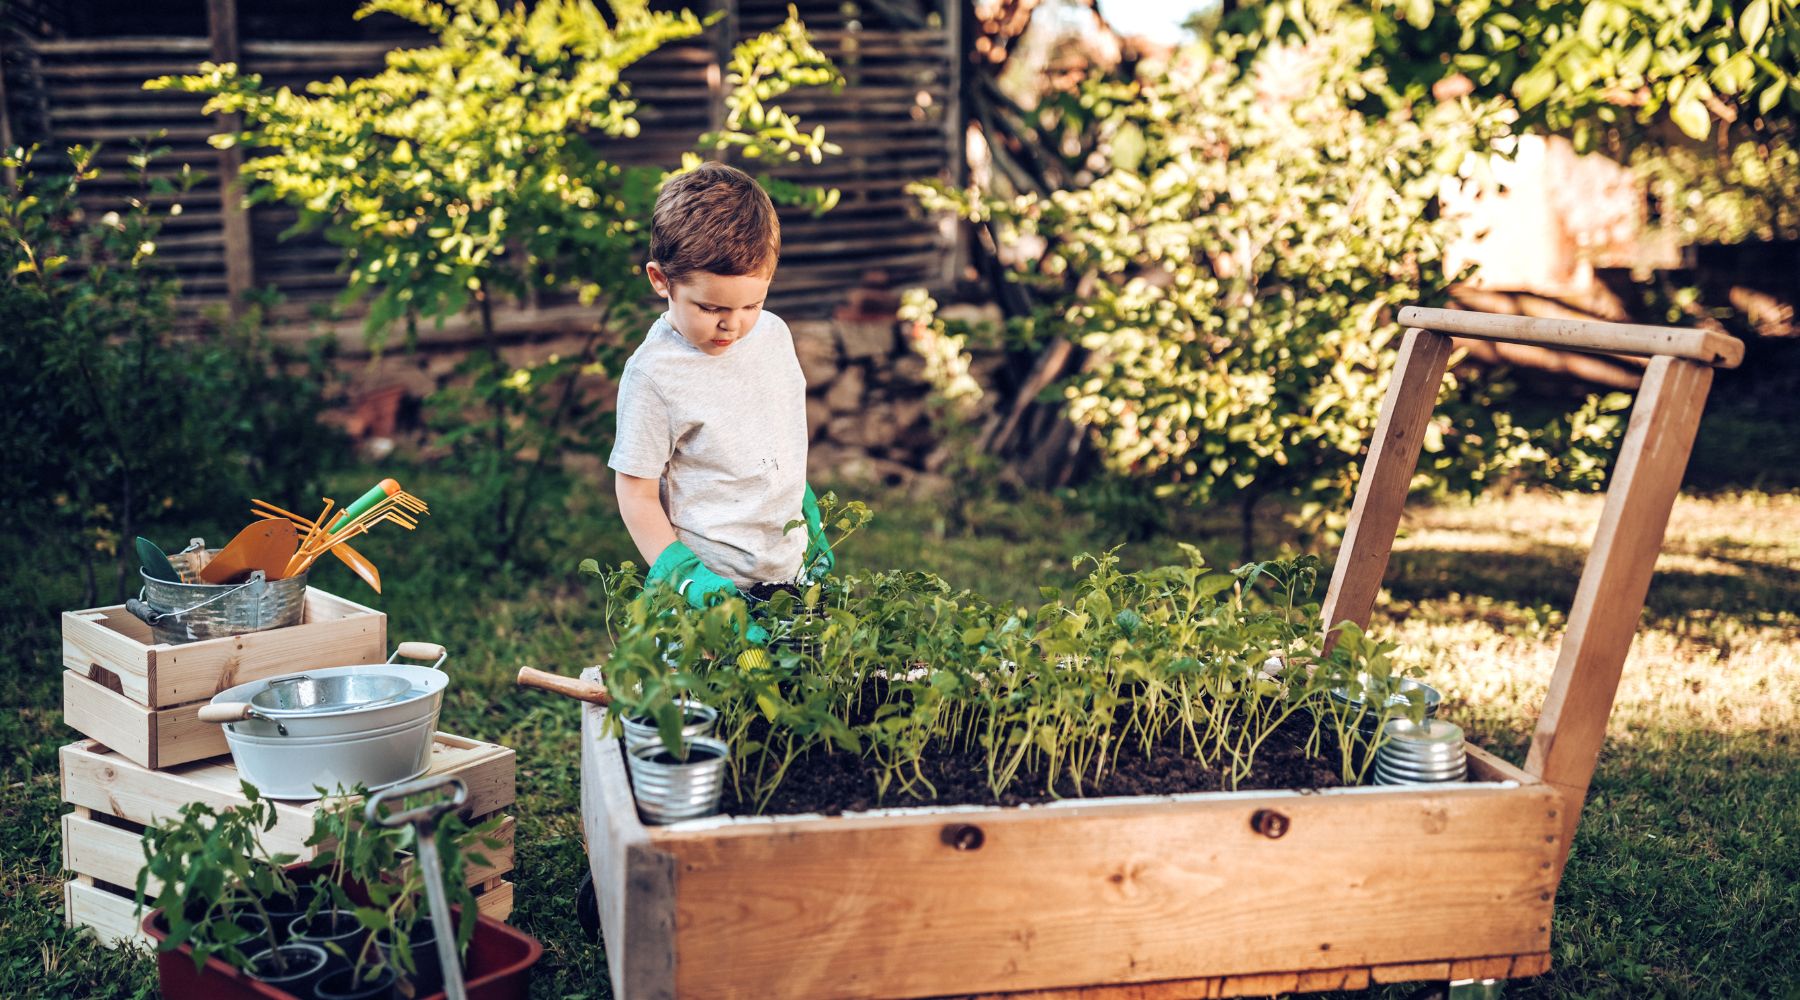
x: 726, y: 435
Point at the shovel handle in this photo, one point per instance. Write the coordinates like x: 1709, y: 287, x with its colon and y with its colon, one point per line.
x: 224, y: 711
x: 569, y: 687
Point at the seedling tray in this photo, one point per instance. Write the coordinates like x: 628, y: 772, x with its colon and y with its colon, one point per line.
x: 498, y: 967
x: 1210, y: 894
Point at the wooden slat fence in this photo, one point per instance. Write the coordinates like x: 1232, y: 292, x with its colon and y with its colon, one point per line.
x: 891, y: 120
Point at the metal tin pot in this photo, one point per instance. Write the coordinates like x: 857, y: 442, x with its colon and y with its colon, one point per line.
x: 287, y: 753
x: 697, y: 720
x: 667, y: 790
x: 190, y: 611
x: 241, y: 712
x: 289, y: 767
x: 1421, y: 753
x: 1369, y: 722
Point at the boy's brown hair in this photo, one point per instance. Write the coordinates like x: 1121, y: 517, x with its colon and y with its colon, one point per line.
x: 714, y: 218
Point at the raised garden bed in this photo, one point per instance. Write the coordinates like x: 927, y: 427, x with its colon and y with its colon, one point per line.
x: 1219, y: 893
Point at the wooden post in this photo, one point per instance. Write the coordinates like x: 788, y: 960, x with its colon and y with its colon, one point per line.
x: 956, y: 132
x: 1610, y: 597
x: 240, y: 258
x: 1386, y: 478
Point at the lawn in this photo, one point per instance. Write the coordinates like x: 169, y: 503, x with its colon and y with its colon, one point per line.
x: 1685, y: 878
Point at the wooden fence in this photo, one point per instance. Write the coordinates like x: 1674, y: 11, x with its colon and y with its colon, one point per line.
x: 894, y: 120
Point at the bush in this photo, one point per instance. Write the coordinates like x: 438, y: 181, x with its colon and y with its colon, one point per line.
x: 113, y: 420
x: 1236, y: 269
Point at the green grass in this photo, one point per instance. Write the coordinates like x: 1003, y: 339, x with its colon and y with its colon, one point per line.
x: 1685, y: 879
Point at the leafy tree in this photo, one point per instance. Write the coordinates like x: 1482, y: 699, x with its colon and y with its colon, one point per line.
x: 473, y: 170
x: 1235, y: 271
x: 1571, y: 66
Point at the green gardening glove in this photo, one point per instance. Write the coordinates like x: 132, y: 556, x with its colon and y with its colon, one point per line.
x: 681, y: 567
x: 819, y: 560
x: 701, y: 586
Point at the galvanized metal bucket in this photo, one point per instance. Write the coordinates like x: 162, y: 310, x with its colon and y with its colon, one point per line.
x: 696, y: 720
x: 670, y: 790
x: 190, y: 611
x: 1421, y: 753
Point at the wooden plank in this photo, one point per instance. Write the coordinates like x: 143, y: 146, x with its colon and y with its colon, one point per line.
x: 113, y: 919
x: 112, y: 646
x: 1485, y: 766
x: 634, y: 881
x: 240, y: 249
x: 115, y: 854
x: 1386, y: 477
x: 196, y: 670
x: 1615, y: 580
x: 114, y: 642
x: 1116, y: 891
x: 1706, y: 346
x: 127, y: 727
x: 496, y: 902
x: 99, y: 779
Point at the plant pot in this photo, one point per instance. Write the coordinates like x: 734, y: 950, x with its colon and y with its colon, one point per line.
x: 428, y: 975
x: 669, y: 788
x: 337, y: 931
x: 306, y: 965
x: 283, y: 913
x: 345, y: 984
x: 496, y: 966
x: 697, y: 720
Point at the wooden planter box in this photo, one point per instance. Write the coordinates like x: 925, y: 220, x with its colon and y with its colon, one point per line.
x: 1364, y: 885
x: 115, y: 800
x: 141, y: 698
x: 1203, y: 895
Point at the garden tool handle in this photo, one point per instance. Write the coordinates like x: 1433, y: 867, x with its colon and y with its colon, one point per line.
x: 225, y: 711
x: 420, y: 650
x: 424, y: 816
x: 592, y: 692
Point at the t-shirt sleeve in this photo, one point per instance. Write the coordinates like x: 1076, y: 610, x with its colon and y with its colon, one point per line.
x: 645, y: 440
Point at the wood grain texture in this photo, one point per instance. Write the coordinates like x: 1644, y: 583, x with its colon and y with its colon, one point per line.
x: 1270, y: 984
x: 1111, y: 892
x: 112, y: 918
x: 115, y: 854
x: 1387, y: 473
x: 150, y: 737
x: 109, y: 645
x: 1610, y: 598
x: 1705, y: 346
x: 634, y: 881
x: 97, y: 778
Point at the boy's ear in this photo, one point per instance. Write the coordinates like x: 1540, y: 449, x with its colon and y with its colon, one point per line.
x: 658, y: 280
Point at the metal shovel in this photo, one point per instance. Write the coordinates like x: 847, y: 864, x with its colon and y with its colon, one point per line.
x: 423, y: 820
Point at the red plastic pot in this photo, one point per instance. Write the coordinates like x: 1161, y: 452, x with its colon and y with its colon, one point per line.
x: 497, y: 966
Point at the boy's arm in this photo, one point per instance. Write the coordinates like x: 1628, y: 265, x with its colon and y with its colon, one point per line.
x: 640, y: 505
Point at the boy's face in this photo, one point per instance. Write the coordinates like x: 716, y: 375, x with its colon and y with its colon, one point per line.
x: 713, y: 311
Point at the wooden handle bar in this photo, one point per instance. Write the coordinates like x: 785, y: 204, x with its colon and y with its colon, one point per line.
x: 569, y: 687
x: 224, y: 711
x: 1716, y: 349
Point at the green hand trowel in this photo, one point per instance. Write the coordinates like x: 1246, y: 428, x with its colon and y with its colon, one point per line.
x: 156, y: 562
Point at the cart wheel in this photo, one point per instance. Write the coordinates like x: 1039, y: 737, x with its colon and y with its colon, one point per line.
x: 587, y: 906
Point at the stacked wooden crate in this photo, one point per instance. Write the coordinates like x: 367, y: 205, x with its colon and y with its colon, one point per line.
x: 148, y: 754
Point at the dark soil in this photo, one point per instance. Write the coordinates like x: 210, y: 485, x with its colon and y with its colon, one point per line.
x: 836, y: 782
x: 761, y: 592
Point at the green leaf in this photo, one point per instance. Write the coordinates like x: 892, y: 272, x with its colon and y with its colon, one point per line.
x: 1753, y: 21
x: 1770, y: 97
x: 1690, y: 116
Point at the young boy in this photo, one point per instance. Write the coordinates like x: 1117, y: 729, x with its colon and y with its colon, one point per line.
x: 711, y: 445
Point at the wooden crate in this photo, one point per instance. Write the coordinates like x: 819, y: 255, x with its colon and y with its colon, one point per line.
x: 1182, y: 896
x: 141, y: 698
x: 116, y: 799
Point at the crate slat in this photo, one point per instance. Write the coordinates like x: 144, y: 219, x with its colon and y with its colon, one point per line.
x: 97, y: 778
x: 333, y: 632
x: 113, y: 853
